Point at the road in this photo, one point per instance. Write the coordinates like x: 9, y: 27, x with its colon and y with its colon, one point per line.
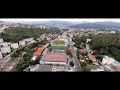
x: 75, y: 59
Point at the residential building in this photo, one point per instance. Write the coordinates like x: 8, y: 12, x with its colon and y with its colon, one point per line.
x: 6, y: 49
x: 22, y: 43
x: 91, y: 57
x: 1, y: 40
x: 14, y: 45
x: 3, y: 44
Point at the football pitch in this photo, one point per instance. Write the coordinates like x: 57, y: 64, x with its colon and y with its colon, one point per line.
x: 58, y: 42
x: 59, y: 47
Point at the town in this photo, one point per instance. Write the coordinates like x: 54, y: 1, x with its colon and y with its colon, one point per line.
x: 71, y: 50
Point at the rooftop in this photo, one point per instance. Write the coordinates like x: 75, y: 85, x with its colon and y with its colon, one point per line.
x: 38, y: 51
x: 91, y: 57
x: 55, y: 57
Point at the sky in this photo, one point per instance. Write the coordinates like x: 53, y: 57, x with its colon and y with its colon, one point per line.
x: 61, y: 19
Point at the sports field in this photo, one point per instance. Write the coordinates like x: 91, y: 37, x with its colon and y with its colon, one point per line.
x: 59, y: 47
x: 58, y: 42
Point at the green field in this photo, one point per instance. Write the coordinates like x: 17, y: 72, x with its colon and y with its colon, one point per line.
x: 59, y: 47
x: 58, y: 42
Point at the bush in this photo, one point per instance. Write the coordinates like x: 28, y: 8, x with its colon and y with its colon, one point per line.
x: 85, y: 69
x: 83, y: 64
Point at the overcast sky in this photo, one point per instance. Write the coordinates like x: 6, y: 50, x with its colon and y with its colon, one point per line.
x: 73, y: 20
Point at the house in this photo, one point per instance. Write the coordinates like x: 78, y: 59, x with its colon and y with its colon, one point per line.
x: 83, y: 51
x: 81, y: 57
x: 88, y: 40
x: 91, y: 57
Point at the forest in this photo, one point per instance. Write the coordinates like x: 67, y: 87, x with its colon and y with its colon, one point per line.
x: 15, y: 34
x: 107, y: 44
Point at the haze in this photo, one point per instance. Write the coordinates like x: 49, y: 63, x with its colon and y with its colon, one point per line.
x: 60, y: 19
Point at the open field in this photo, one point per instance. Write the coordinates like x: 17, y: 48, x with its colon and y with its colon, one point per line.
x: 58, y: 42
x: 59, y: 47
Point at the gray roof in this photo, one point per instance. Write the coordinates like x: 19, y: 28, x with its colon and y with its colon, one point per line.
x: 45, y: 68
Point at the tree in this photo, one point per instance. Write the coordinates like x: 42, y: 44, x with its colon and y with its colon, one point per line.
x: 85, y: 69
x: 89, y: 61
x: 50, y: 49
x: 98, y: 56
x: 83, y: 64
x: 36, y: 61
x: 68, y: 52
x: 71, y: 63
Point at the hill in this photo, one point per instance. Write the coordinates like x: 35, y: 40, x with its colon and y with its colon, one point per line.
x: 15, y: 34
x: 98, y: 25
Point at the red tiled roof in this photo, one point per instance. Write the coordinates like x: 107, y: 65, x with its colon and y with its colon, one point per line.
x: 81, y: 57
x: 91, y: 57
x: 38, y: 52
x: 83, y: 50
x: 55, y: 57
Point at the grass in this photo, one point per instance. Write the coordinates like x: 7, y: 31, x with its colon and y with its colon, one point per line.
x: 59, y: 47
x: 91, y: 66
x: 14, y: 59
x: 58, y: 42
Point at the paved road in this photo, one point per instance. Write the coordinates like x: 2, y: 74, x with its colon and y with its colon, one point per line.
x: 75, y: 59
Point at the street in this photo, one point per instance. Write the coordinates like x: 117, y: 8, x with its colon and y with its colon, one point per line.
x: 75, y: 59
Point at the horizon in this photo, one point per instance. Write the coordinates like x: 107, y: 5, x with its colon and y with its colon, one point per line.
x: 62, y: 19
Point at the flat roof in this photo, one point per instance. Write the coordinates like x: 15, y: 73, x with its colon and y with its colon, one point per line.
x: 38, y: 52
x: 47, y: 68
x: 55, y: 57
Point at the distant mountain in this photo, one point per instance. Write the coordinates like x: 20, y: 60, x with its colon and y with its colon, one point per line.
x: 98, y: 25
x: 54, y: 23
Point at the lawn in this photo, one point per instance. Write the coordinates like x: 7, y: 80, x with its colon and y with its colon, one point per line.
x: 58, y: 42
x: 59, y: 47
x: 91, y: 66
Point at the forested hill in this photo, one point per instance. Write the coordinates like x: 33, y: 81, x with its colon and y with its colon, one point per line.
x: 107, y: 45
x: 15, y: 34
